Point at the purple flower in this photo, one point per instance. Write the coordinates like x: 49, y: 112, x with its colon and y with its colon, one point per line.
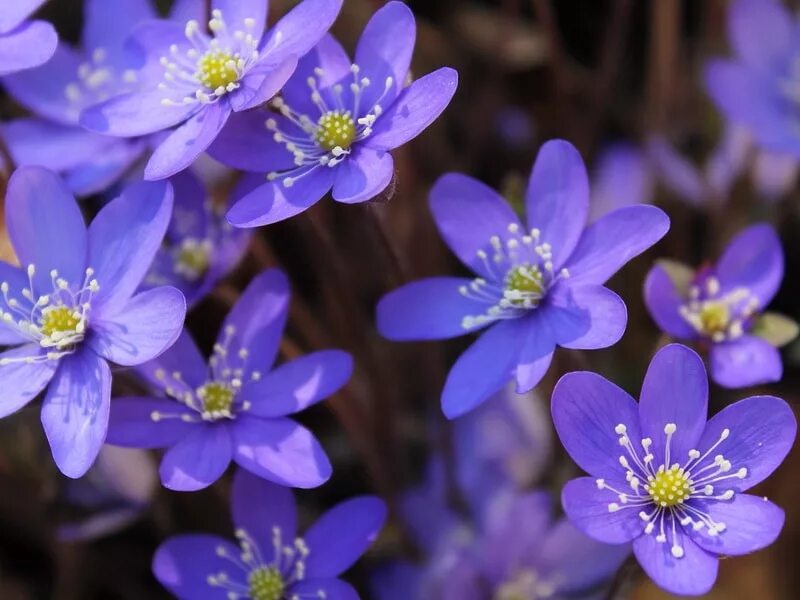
x: 195, y: 80
x: 622, y: 177
x: 75, y: 79
x: 71, y: 309
x: 720, y: 307
x: 235, y: 408
x: 759, y: 87
x: 663, y: 477
x: 335, y: 122
x: 24, y: 44
x: 537, y: 286
x: 201, y: 247
x: 269, y: 561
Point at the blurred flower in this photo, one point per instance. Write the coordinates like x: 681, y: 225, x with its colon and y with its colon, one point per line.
x: 235, y: 408
x: 72, y: 309
x: 196, y: 81
x: 759, y: 87
x: 721, y: 306
x: 24, y: 44
x: 73, y: 80
x: 201, y: 247
x: 335, y: 122
x: 663, y: 477
x: 622, y: 177
x: 537, y: 286
x: 269, y: 561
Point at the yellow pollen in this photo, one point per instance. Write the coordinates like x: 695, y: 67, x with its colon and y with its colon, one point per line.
x: 335, y: 128
x: 526, y: 279
x: 669, y: 487
x: 216, y: 69
x: 58, y: 319
x: 715, y: 317
x: 193, y: 259
x: 216, y: 396
x: 266, y: 583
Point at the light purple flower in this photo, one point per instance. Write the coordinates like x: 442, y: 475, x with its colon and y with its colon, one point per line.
x: 537, y: 285
x: 195, y: 80
x: 269, y: 560
x: 200, y: 247
x: 335, y: 123
x: 720, y: 307
x: 236, y: 407
x: 71, y: 309
x: 24, y: 44
x: 663, y: 477
x: 622, y: 177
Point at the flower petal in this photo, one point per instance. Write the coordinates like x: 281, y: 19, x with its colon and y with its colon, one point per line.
x: 123, y: 240
x: 419, y: 105
x: 537, y: 351
x: 745, y: 361
x: 107, y: 23
x: 183, y: 563
x: 30, y: 45
x: 281, y: 451
x: 586, y: 507
x: 585, y: 317
x: 586, y: 410
x: 182, y: 11
x: 762, y: 33
x: 299, y: 30
x: 761, y: 433
x: 235, y: 12
x: 663, y: 302
x: 678, y: 175
x: 75, y: 411
x: 187, y: 142
x: 675, y: 390
x: 142, y: 329
x: 468, y: 214
x: 246, y: 144
x: 363, y: 175
x: 752, y: 523
x: 428, y: 309
x: 330, y: 589
x: 753, y: 260
x: 259, y: 507
x: 339, y: 537
x: 46, y: 227
x: 258, y: 319
x: 15, y: 12
x: 198, y: 460
x: 141, y: 113
x: 261, y: 83
x: 298, y: 384
x: 103, y: 171
x: 22, y: 381
x: 132, y: 424
x: 692, y: 575
x: 487, y: 365
x: 622, y: 177
x: 609, y: 243
x: 557, y: 198
x: 182, y: 357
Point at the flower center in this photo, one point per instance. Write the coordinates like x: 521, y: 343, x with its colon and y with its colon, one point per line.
x: 217, y: 398
x: 335, y: 128
x: 524, y: 281
x: 266, y: 583
x: 669, y: 486
x: 193, y: 258
x: 715, y: 317
x: 216, y: 69
x: 59, y: 320
x: 526, y: 585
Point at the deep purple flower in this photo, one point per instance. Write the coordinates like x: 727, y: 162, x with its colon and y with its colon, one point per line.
x: 201, y: 247
x: 234, y: 408
x: 195, y: 80
x: 335, y: 123
x: 536, y: 286
x: 759, y: 87
x: 721, y: 307
x: 269, y: 561
x: 24, y: 44
x: 75, y: 79
x: 71, y: 309
x: 663, y: 477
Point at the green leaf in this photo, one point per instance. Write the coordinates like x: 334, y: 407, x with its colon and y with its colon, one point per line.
x: 680, y: 274
x: 776, y: 329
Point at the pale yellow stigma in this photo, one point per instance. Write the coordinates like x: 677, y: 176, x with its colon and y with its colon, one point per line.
x: 525, y: 279
x: 715, y: 317
x: 669, y: 487
x: 192, y: 259
x: 335, y: 129
x: 217, y: 398
x: 59, y: 319
x: 266, y: 583
x: 217, y: 69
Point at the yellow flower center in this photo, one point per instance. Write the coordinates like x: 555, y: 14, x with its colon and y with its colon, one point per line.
x: 217, y: 69
x: 715, y: 317
x: 266, y: 583
x: 527, y: 280
x: 217, y: 398
x: 193, y: 259
x: 59, y: 319
x: 669, y: 487
x: 335, y: 128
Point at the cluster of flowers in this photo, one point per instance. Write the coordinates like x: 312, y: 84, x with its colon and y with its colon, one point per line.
x: 131, y: 111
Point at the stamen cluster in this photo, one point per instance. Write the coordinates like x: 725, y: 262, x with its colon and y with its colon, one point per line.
x: 716, y: 315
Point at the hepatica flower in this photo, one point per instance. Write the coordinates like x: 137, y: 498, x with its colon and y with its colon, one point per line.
x: 334, y: 123
x: 71, y: 309
x: 24, y: 44
x: 235, y: 407
x: 720, y: 307
x: 195, y: 78
x: 269, y: 560
x: 536, y: 285
x: 200, y: 247
x: 663, y: 477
